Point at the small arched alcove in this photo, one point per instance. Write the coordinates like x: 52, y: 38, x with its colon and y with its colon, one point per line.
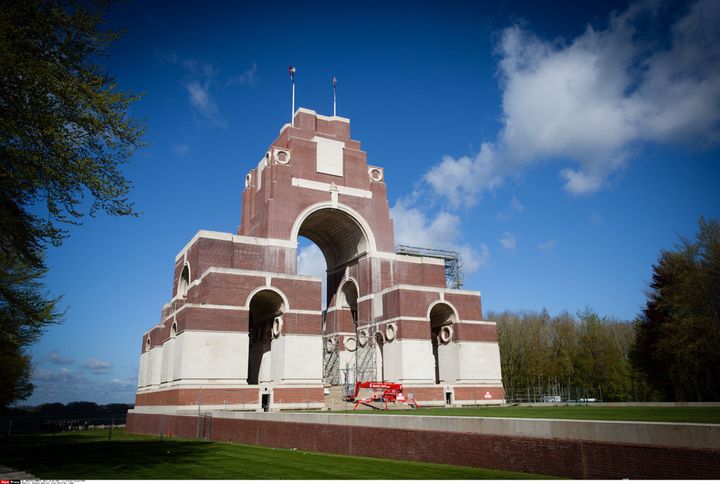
x: 442, y: 316
x: 184, y: 282
x: 265, y: 306
x: 347, y: 299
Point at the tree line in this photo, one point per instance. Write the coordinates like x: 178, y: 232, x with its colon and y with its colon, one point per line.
x: 71, y: 410
x: 670, y: 352
x: 571, y: 351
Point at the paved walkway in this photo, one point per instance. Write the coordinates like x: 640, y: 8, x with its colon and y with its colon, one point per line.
x: 8, y: 473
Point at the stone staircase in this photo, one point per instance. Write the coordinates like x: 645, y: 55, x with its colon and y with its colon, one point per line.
x: 334, y: 400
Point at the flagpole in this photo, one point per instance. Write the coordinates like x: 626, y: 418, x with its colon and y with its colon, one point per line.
x: 291, y: 70
x: 334, y: 96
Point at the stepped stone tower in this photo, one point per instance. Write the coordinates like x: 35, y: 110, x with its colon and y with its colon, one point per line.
x: 245, y: 331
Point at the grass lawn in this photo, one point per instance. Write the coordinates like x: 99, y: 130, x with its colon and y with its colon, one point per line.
x: 88, y: 455
x: 584, y: 412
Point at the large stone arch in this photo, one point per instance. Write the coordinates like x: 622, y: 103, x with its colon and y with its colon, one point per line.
x: 341, y: 233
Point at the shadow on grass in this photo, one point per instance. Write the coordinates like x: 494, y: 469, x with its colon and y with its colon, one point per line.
x: 90, y: 457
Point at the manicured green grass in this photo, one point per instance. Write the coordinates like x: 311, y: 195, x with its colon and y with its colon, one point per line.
x: 581, y: 412
x: 88, y: 455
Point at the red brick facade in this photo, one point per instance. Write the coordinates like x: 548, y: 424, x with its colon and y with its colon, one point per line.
x: 204, y: 396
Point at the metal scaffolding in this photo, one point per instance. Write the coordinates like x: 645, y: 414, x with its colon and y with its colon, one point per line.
x: 453, y: 262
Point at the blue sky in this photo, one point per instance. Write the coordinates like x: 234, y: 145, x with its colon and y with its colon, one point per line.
x: 558, y: 146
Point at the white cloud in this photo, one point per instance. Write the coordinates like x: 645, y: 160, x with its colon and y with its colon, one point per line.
x: 591, y: 100
x: 58, y: 359
x: 515, y: 208
x: 508, y: 241
x: 414, y: 228
x: 247, y: 78
x: 311, y: 262
x: 63, y: 376
x: 97, y: 366
x: 579, y: 183
x: 200, y: 99
x: 199, y: 80
x: 461, y: 180
x: 547, y: 246
x: 68, y: 385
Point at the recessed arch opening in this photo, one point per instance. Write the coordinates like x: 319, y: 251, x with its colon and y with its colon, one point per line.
x: 347, y: 299
x: 184, y: 282
x: 338, y: 235
x: 442, y: 315
x: 265, y: 306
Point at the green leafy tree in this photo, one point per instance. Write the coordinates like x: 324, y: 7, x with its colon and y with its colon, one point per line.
x: 564, y: 347
x: 589, y: 351
x: 64, y: 134
x: 679, y: 329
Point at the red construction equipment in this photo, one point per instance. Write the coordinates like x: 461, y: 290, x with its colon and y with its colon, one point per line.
x: 383, y: 392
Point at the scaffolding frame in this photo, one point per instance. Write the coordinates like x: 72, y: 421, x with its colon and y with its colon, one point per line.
x: 452, y: 259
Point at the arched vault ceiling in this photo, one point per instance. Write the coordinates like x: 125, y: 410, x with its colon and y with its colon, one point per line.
x: 440, y: 314
x: 265, y: 304
x: 336, y: 233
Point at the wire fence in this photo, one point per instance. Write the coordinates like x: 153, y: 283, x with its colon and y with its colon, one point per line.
x: 554, y: 394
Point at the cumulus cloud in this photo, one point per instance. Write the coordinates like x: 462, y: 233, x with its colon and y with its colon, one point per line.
x: 57, y: 359
x: 63, y: 376
x: 647, y: 77
x: 311, y: 261
x: 67, y: 385
x: 414, y: 228
x: 97, y: 366
x: 460, y: 180
x: 508, y: 241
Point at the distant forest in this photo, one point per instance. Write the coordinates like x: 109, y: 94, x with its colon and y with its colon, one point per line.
x: 71, y: 410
